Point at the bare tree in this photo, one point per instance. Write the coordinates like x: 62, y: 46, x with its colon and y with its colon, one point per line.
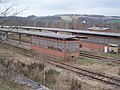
x: 3, y: 1
x: 8, y: 10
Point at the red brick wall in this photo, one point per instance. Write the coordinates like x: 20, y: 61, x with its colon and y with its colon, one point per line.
x: 56, y: 53
x: 48, y: 51
x: 93, y: 46
x: 118, y: 50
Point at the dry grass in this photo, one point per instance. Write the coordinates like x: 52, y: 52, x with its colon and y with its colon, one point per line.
x: 12, y: 86
x: 97, y: 66
x: 60, y: 79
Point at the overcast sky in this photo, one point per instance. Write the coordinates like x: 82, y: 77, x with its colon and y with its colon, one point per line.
x: 52, y: 7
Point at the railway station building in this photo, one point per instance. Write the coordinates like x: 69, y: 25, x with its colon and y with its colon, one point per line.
x: 62, y: 46
x: 101, y: 41
x: 66, y: 47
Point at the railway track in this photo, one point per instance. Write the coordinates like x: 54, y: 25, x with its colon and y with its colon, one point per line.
x: 101, y: 58
x: 115, y: 81
x: 84, y: 72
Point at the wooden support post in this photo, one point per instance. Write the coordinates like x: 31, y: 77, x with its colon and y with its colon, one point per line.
x: 7, y: 36
x: 57, y: 45
x: 19, y: 38
x: 65, y: 50
x: 79, y: 46
x: 46, y: 44
x: 31, y: 41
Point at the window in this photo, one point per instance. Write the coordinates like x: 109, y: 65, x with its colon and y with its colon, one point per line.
x: 72, y: 47
x: 60, y: 46
x: 52, y: 45
x: 42, y: 42
x: 34, y: 41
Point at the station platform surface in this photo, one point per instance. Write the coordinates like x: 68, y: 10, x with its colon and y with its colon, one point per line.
x: 16, y: 43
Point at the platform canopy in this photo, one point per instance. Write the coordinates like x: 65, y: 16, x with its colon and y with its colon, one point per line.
x: 70, y: 31
x: 41, y: 34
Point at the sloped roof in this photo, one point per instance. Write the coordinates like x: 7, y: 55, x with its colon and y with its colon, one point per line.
x: 49, y: 35
x: 88, y: 32
x: 72, y: 31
